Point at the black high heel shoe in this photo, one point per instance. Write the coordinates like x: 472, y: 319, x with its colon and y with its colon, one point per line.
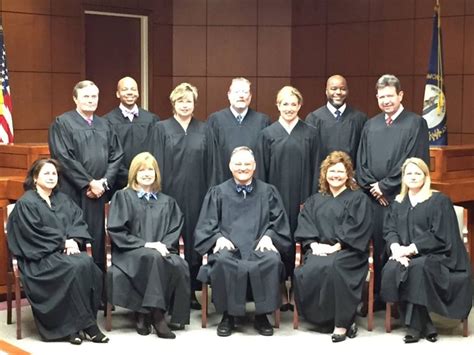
x: 75, y: 339
x: 412, y: 336
x: 350, y: 333
x: 433, y: 337
x: 95, y: 335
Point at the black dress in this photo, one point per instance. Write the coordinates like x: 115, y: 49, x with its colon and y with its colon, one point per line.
x: 86, y: 153
x: 143, y: 278
x: 329, y: 288
x: 187, y: 164
x: 439, y: 276
x: 244, y: 220
x: 64, y: 290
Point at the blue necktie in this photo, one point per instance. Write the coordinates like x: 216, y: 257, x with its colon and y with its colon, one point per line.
x: 245, y: 189
x: 338, y: 115
x: 240, y: 119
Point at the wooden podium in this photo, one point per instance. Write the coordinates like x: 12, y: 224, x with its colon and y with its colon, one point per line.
x: 452, y: 172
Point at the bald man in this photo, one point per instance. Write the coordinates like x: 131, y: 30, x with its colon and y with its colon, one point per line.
x: 132, y: 124
x: 338, y: 125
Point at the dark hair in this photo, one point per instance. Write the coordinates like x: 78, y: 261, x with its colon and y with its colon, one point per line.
x: 35, y: 168
x: 388, y: 80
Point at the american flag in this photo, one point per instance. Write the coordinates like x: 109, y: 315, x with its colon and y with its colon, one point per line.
x: 6, y: 124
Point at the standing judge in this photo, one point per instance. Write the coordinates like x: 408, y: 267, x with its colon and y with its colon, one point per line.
x: 334, y: 228
x: 133, y: 126
x: 429, y: 269
x: 186, y: 153
x: 339, y: 126
x: 388, y: 139
x: 237, y: 125
x: 91, y: 154
x: 144, y: 225
x: 286, y: 158
x: 244, y: 226
x: 62, y: 284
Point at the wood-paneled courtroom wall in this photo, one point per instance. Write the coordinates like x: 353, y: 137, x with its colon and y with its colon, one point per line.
x: 273, y: 42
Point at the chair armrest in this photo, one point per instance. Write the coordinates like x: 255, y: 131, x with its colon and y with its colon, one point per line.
x: 298, y: 255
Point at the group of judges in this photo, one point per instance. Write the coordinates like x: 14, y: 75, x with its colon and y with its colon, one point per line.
x: 240, y: 190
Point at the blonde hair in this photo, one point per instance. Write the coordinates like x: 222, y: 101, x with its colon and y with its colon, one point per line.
x: 425, y: 192
x: 291, y: 91
x: 181, y: 91
x: 143, y: 160
x: 333, y: 159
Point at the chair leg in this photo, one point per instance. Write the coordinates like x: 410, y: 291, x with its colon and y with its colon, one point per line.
x: 277, y: 318
x: 465, y: 330
x: 204, y: 305
x: 370, y: 303
x: 296, y: 320
x: 388, y: 317
x: 18, y: 307
x: 108, y: 317
x: 9, y: 297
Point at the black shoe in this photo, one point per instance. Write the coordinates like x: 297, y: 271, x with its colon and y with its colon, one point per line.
x: 412, y: 336
x: 287, y: 307
x: 143, y: 323
x: 336, y: 338
x: 362, y: 309
x: 352, y: 331
x: 262, y: 325
x: 226, y: 325
x: 432, y: 337
x: 194, y: 302
x: 174, y: 326
x: 95, y: 335
x: 163, y: 331
x: 75, y: 339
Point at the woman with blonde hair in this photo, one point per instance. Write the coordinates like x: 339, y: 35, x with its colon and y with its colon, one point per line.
x: 144, y: 225
x: 186, y: 152
x: 286, y: 158
x: 334, y: 228
x: 428, y: 269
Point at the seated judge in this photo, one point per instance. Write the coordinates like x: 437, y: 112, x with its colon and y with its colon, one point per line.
x: 334, y: 228
x: 144, y: 225
x: 63, y: 285
x: 244, y: 228
x: 428, y: 270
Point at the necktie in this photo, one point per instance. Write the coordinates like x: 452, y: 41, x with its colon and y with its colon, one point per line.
x: 239, y: 119
x: 89, y: 121
x: 338, y: 115
x: 388, y: 121
x: 245, y: 189
x: 131, y: 114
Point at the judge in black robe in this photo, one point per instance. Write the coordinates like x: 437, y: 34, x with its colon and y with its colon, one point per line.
x: 388, y: 139
x: 328, y: 286
x: 338, y: 125
x: 133, y: 126
x: 429, y: 269
x: 237, y: 125
x: 244, y: 227
x: 91, y: 155
x: 186, y: 153
x: 140, y: 216
x: 62, y: 284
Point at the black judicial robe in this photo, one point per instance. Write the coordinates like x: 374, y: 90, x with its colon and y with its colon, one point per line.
x: 230, y: 134
x: 439, y: 276
x: 86, y: 153
x: 329, y: 288
x: 142, y: 277
x: 287, y: 161
x: 335, y: 135
x: 244, y: 220
x: 135, y: 137
x: 188, y: 169
x: 64, y: 290
x: 383, y: 150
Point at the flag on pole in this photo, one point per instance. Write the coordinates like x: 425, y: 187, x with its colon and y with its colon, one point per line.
x: 434, y: 102
x: 6, y: 123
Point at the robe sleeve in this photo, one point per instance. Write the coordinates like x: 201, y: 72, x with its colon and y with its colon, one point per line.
x: 418, y: 146
x: 356, y: 228
x: 279, y: 226
x: 208, y: 226
x: 213, y: 159
x: 115, y: 157
x: 175, y: 225
x: 364, y: 176
x: 390, y: 233
x: 78, y: 228
x: 29, y: 237
x: 62, y: 149
x: 262, y: 157
x: 120, y: 221
x: 307, y: 232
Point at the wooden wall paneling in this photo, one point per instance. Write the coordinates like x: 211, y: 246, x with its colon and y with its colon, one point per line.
x: 217, y: 88
x: 468, y: 106
x: 159, y: 102
x: 232, y: 13
x: 66, y: 8
x: 453, y: 43
x: 308, y: 51
x: 309, y: 12
x: 274, y: 51
x: 392, y: 10
x: 61, y: 92
x: 189, y: 12
x: 468, y: 45
x: 27, y: 6
x: 339, y: 11
x: 267, y: 89
x: 189, y: 50
x: 313, y: 91
x: 424, y: 8
x: 66, y: 44
x: 359, y: 87
x: 274, y: 12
